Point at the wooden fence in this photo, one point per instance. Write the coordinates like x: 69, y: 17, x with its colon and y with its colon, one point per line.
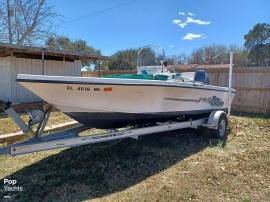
x: 251, y: 83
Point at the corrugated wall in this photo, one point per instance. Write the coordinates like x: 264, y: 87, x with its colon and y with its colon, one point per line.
x: 34, y: 66
x: 63, y: 68
x: 5, y: 79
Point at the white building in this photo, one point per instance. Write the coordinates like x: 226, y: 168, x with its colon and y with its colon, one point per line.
x: 16, y: 59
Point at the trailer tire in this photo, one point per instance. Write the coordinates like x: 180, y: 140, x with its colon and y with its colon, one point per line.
x: 222, y: 128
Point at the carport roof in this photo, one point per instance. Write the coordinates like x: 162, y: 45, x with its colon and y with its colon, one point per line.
x: 7, y: 49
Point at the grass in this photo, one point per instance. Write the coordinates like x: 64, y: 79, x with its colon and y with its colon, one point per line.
x: 172, y: 166
x: 7, y: 125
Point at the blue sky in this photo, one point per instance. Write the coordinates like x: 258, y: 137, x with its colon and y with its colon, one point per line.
x: 144, y: 22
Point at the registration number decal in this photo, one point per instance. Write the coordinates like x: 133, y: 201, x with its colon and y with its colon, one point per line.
x: 86, y: 89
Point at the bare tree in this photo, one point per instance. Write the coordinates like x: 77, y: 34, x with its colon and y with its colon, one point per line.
x: 26, y: 21
x: 177, y: 59
x: 219, y: 54
x: 196, y: 57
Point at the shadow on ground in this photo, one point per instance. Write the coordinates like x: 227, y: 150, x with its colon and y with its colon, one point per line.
x: 89, y: 172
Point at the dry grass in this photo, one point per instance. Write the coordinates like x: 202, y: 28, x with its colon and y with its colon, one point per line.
x: 175, y: 166
x: 7, y: 125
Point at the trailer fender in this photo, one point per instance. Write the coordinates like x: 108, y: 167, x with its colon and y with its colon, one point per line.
x: 213, y: 119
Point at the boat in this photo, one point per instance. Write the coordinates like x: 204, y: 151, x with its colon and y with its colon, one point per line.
x: 152, y: 95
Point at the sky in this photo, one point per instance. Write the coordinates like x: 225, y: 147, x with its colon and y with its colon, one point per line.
x: 179, y: 26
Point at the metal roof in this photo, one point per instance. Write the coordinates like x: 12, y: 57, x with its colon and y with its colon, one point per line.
x: 7, y: 49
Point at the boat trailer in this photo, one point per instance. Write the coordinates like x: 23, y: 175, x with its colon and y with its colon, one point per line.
x: 35, y: 141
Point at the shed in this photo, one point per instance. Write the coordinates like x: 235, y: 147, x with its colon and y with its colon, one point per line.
x: 16, y: 59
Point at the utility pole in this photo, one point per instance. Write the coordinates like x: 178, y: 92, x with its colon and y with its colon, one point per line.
x: 9, y: 23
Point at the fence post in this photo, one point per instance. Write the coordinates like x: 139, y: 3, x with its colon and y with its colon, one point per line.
x: 230, y: 83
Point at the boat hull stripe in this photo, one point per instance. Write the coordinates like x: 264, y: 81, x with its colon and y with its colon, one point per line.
x: 117, y: 84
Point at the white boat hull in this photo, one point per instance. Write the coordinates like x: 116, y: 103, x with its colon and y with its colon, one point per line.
x: 96, y: 100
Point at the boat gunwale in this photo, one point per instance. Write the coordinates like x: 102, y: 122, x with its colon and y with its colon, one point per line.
x: 156, y: 83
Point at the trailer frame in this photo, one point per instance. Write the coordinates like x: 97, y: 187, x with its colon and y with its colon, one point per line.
x: 38, y: 141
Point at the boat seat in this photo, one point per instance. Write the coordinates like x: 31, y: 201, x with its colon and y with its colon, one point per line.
x: 143, y: 71
x: 201, y: 76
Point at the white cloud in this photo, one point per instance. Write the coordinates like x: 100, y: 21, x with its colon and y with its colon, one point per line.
x: 195, y: 21
x: 191, y: 36
x: 176, y: 21
x: 182, y: 24
x: 181, y: 13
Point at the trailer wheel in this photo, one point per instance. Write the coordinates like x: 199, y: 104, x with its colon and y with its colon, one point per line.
x: 222, y: 130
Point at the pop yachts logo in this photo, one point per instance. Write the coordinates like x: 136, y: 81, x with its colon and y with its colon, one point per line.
x: 214, y: 101
x: 11, y: 185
